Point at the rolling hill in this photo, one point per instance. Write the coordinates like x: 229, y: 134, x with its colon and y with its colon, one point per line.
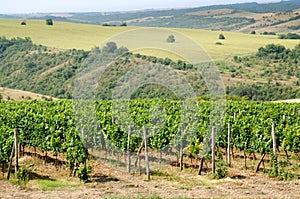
x: 279, y: 17
x: 64, y: 35
x: 271, y: 73
x: 49, y: 57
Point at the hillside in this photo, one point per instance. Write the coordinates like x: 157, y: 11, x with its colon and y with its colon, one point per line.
x: 64, y: 35
x: 17, y: 95
x: 271, y: 73
x: 276, y: 17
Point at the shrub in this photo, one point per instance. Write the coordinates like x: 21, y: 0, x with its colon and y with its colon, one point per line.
x: 49, y: 22
x: 221, y: 170
x: 171, y: 39
x: 289, y: 36
x: 84, y: 173
x: 221, y: 36
x: 268, y: 33
x: 22, y: 175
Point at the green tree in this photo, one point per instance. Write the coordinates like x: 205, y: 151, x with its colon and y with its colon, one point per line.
x: 171, y: 39
x: 110, y: 47
x: 23, y: 23
x: 49, y: 22
x: 289, y: 36
x: 221, y: 36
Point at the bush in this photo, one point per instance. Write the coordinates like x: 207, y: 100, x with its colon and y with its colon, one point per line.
x: 219, y: 43
x: 22, y: 176
x: 84, y: 173
x: 221, y: 36
x: 171, y: 39
x: 49, y: 22
x: 289, y: 36
x: 268, y: 33
x: 23, y: 23
x: 253, y: 32
x: 221, y: 170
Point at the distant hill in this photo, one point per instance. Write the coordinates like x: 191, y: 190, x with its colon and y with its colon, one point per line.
x: 276, y: 17
x: 269, y: 74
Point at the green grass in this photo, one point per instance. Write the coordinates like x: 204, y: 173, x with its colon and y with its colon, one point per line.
x: 83, y: 36
x: 46, y: 184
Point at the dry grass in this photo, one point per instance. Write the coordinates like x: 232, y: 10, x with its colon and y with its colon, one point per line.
x: 289, y: 101
x: 17, y: 95
x: 166, y: 182
x: 83, y: 36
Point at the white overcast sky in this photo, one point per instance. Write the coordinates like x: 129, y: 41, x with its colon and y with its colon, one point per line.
x: 38, y: 6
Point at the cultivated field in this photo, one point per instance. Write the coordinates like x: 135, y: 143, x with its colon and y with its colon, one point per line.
x: 82, y: 36
x: 55, y: 145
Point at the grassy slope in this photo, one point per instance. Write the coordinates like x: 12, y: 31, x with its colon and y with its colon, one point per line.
x: 234, y: 44
x: 82, y: 36
x: 61, y: 35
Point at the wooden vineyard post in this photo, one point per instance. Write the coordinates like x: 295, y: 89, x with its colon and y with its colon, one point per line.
x: 16, y: 150
x: 228, y: 147
x: 234, y: 118
x: 10, y: 160
x: 82, y: 137
x: 274, y: 140
x: 113, y: 119
x: 181, y: 149
x: 213, y: 149
x: 128, y: 149
x: 82, y: 134
x: 201, y: 165
x: 146, y: 153
x: 260, y: 161
x: 137, y: 160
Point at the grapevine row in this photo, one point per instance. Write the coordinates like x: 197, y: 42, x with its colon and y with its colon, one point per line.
x: 58, y: 127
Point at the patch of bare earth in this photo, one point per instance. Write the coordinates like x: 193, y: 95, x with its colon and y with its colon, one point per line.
x: 17, y: 95
x: 111, y: 182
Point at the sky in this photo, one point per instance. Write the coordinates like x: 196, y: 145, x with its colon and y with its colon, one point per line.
x: 42, y: 6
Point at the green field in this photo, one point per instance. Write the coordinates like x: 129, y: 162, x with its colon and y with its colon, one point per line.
x: 83, y: 36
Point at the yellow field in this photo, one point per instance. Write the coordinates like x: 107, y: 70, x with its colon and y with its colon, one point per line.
x: 235, y: 43
x: 83, y: 36
x: 60, y: 35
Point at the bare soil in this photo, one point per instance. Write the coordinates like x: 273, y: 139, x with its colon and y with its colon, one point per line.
x: 18, y: 95
x: 169, y: 182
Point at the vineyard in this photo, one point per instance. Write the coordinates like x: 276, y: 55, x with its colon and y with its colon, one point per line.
x: 174, y: 128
